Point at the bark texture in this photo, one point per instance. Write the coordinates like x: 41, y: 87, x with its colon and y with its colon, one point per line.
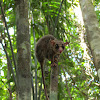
x: 23, y: 51
x: 92, y: 30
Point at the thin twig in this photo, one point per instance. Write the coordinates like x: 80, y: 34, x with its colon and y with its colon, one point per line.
x: 35, y: 58
x: 32, y: 85
x: 67, y: 85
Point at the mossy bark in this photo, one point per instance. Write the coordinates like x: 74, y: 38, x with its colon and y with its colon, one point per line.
x: 92, y: 31
x: 23, y: 51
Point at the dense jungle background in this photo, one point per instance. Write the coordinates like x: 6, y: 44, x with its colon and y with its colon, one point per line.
x: 24, y: 22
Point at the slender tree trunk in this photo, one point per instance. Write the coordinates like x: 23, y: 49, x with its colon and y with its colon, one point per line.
x: 92, y: 30
x: 23, y: 51
x: 54, y: 80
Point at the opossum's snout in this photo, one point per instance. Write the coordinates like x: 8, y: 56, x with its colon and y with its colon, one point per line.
x: 61, y: 49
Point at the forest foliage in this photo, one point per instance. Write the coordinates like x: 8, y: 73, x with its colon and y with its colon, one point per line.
x: 77, y: 74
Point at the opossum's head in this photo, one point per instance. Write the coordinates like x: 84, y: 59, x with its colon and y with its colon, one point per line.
x: 58, y: 46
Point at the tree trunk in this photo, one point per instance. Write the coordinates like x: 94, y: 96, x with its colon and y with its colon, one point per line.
x: 54, y: 80
x: 92, y: 30
x: 23, y: 51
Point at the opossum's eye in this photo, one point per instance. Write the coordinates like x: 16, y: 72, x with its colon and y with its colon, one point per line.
x: 63, y: 46
x: 57, y: 46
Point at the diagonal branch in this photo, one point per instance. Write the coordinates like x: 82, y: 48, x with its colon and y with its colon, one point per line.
x: 13, y: 57
x: 9, y: 63
x: 56, y: 20
x: 75, y: 85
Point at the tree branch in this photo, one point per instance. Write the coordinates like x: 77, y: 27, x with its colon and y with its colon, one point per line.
x: 67, y: 85
x: 13, y: 57
x: 9, y: 64
x: 56, y: 20
x: 76, y: 86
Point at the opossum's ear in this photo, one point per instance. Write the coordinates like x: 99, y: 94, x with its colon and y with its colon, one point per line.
x: 66, y: 43
x: 52, y: 42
